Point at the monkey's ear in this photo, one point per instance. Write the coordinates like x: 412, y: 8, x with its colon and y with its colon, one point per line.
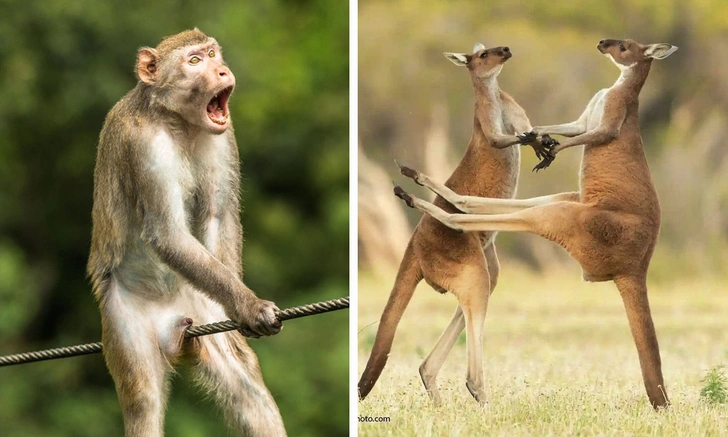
x: 660, y: 51
x: 459, y: 59
x: 147, y: 65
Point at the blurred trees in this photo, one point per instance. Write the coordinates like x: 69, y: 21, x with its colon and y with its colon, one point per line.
x: 554, y: 72
x: 64, y: 65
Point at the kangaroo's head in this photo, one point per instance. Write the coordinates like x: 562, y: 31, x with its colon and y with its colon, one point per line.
x: 626, y: 53
x: 482, y: 62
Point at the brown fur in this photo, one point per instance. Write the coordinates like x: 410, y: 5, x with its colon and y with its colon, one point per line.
x: 611, y: 226
x: 167, y: 244
x: 449, y: 260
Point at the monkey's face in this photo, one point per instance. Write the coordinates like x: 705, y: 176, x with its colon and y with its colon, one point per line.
x: 191, y: 80
x: 626, y: 52
x: 206, y: 84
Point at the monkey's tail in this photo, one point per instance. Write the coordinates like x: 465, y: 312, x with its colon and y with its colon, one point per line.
x: 408, y: 276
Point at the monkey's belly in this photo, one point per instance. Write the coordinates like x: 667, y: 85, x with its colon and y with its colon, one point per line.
x: 160, y: 323
x: 141, y: 272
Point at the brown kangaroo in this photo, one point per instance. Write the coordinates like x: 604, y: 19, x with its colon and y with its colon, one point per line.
x: 610, y: 227
x: 464, y: 264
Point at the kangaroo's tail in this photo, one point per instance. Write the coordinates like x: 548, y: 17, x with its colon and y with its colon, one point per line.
x: 408, y: 277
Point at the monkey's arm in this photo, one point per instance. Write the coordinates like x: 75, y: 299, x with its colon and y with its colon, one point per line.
x: 165, y: 229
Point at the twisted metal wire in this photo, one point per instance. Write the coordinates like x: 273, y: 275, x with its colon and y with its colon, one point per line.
x: 192, y: 331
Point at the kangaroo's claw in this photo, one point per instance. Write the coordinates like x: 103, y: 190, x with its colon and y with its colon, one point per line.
x: 545, y: 162
x: 527, y: 137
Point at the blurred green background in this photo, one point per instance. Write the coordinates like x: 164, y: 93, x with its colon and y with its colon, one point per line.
x: 63, y: 66
x: 417, y: 107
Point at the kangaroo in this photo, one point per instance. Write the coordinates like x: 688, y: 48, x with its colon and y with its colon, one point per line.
x: 464, y: 264
x: 611, y: 225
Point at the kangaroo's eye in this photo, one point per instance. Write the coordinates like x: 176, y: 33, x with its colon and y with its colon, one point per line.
x: 621, y: 47
x: 484, y: 54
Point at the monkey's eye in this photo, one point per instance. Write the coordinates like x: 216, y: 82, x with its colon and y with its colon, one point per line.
x: 211, y: 53
x: 621, y: 47
x: 484, y: 54
x: 195, y: 60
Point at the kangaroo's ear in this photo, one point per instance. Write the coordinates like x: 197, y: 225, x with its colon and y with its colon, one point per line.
x: 478, y: 46
x: 459, y: 59
x: 660, y: 50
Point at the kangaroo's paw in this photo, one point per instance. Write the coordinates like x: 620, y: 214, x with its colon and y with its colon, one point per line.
x: 527, y: 138
x: 545, y: 162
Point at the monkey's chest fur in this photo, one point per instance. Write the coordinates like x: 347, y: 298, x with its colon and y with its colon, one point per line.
x: 199, y: 178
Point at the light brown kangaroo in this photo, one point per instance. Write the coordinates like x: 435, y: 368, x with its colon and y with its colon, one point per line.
x: 610, y: 227
x: 464, y: 264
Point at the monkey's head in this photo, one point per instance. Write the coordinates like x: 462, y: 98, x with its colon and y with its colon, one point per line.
x: 188, y: 76
x: 482, y: 62
x: 627, y: 52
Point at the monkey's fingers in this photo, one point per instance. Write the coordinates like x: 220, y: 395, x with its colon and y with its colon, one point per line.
x: 266, y: 321
x: 248, y: 333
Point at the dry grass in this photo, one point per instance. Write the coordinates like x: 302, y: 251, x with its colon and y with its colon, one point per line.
x: 559, y: 360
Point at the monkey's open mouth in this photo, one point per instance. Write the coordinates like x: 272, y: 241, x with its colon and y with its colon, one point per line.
x: 217, y: 109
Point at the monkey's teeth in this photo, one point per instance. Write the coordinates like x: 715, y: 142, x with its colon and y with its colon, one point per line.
x: 220, y: 121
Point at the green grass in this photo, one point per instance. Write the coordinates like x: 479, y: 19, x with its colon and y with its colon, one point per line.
x: 715, y: 386
x: 558, y: 358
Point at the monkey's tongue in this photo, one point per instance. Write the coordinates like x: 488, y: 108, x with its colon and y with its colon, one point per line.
x: 216, y: 111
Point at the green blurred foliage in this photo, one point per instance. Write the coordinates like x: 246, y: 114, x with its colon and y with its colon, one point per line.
x: 64, y: 65
x: 555, y: 70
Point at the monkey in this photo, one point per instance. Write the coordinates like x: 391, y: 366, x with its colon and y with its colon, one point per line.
x: 166, y: 245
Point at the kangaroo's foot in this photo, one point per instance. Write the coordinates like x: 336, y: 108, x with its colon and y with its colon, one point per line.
x: 402, y: 194
x: 409, y: 172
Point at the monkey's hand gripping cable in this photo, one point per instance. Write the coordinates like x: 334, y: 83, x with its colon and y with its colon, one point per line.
x: 192, y: 331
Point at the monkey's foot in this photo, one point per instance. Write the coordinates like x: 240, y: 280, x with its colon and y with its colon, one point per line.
x: 402, y: 194
x: 409, y: 172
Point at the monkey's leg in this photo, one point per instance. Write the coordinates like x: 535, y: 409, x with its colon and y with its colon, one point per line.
x: 228, y: 370
x: 430, y: 367
x: 135, y: 360
x: 636, y: 303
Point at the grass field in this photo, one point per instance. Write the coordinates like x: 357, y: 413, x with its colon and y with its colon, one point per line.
x: 559, y: 360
